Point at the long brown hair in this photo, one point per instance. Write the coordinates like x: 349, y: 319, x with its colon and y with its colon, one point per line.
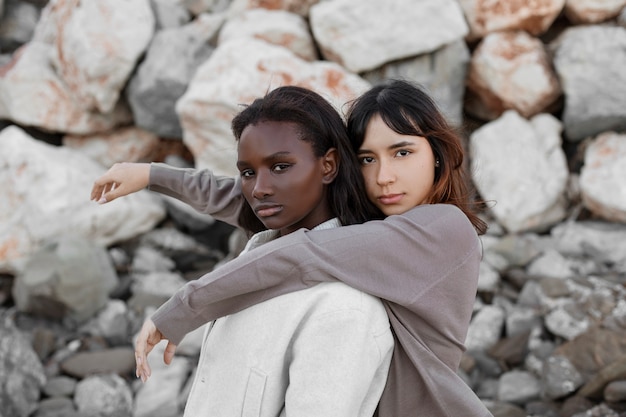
x: 408, y: 110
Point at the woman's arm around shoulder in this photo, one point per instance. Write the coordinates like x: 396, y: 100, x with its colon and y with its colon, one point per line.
x: 397, y: 259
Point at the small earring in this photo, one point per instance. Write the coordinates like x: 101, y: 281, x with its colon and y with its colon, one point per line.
x: 437, y: 163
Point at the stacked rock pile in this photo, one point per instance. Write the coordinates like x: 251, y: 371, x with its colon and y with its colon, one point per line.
x: 539, y: 89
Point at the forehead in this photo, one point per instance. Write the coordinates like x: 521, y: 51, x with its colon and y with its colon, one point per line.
x: 269, y: 137
x: 379, y: 136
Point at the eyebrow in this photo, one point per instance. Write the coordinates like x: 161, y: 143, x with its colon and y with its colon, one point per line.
x: 272, y: 157
x: 396, y: 145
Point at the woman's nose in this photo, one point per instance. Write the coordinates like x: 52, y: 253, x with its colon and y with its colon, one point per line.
x: 262, y: 186
x: 385, y: 174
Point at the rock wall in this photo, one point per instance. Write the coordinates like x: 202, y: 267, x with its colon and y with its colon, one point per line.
x: 538, y: 88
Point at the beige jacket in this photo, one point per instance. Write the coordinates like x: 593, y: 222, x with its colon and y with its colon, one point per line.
x: 323, y: 351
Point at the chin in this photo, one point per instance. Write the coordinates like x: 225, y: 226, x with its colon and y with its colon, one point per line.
x: 389, y: 211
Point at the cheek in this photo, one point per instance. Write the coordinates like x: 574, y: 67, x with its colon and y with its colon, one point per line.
x: 369, y: 179
x: 246, y: 190
x: 424, y: 180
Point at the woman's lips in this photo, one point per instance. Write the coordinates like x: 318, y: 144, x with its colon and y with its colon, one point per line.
x: 267, y: 210
x: 390, y: 198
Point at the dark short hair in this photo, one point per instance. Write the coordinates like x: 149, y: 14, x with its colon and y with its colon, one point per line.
x: 319, y: 124
x: 408, y: 110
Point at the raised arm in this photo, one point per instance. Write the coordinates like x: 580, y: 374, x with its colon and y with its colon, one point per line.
x: 399, y: 259
x: 219, y: 196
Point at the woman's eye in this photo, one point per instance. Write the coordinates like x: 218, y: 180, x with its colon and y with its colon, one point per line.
x: 366, y: 160
x: 246, y: 173
x: 281, y: 167
x: 403, y: 152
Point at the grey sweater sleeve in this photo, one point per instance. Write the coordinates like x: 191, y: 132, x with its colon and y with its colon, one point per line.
x: 218, y: 196
x: 402, y: 259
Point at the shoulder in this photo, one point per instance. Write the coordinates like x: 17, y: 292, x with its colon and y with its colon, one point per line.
x: 435, y: 225
x: 429, y: 212
x: 439, y: 225
x: 336, y: 297
x: 442, y: 219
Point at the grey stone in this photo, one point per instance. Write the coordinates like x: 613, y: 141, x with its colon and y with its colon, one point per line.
x: 161, y: 79
x: 60, y: 386
x: 56, y: 407
x: 113, y: 322
x: 106, y: 395
x: 169, y: 14
x: 615, y: 391
x: 560, y: 377
x: 17, y: 24
x: 119, y: 360
x: 68, y: 278
x: 588, y: 60
x: 518, y: 387
x: 21, y: 372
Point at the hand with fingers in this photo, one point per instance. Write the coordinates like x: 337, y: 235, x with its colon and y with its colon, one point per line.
x: 147, y: 339
x: 120, y: 180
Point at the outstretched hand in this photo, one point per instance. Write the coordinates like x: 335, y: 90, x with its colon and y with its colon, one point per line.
x: 147, y: 339
x: 120, y: 180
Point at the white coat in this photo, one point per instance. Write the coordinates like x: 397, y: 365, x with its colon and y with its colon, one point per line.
x: 323, y: 351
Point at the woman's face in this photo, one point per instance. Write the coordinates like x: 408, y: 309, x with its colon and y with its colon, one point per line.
x: 282, y: 180
x: 399, y: 170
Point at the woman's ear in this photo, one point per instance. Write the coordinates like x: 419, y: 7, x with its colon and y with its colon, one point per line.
x: 330, y: 165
